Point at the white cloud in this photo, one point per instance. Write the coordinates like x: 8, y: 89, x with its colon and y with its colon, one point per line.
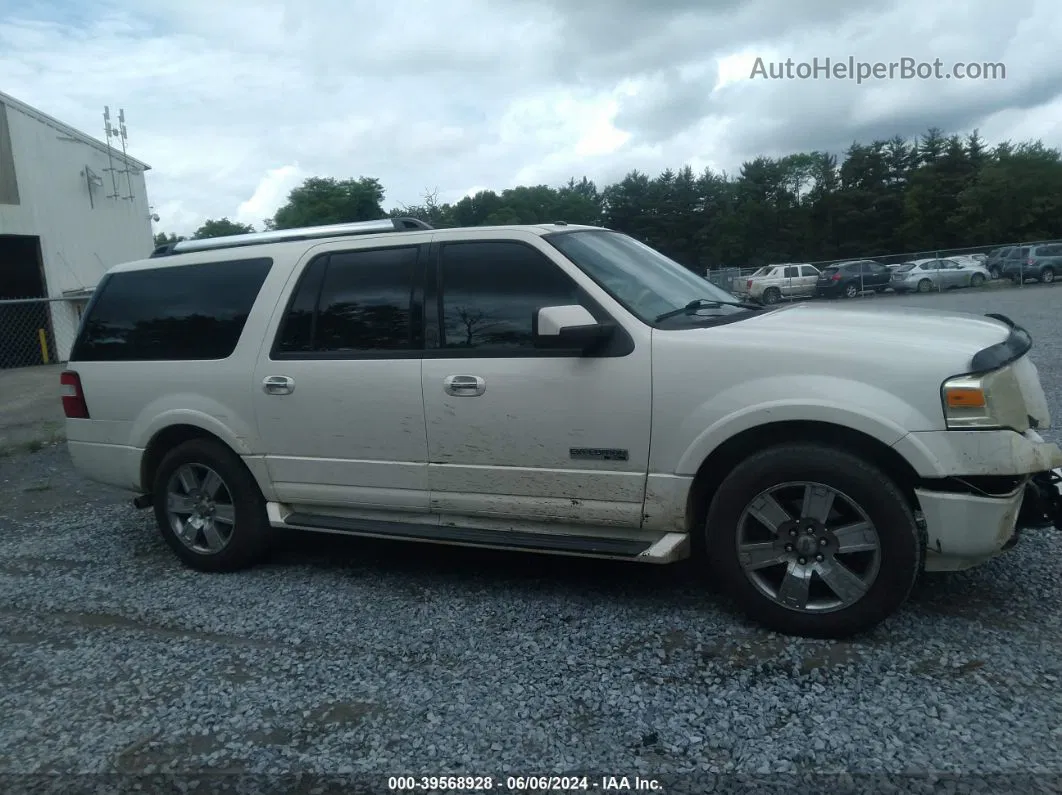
x: 271, y: 193
x: 222, y: 98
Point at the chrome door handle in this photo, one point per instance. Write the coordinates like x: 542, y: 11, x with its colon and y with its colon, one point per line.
x: 278, y: 385
x: 464, y: 385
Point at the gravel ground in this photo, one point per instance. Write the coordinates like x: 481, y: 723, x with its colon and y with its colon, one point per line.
x: 370, y: 659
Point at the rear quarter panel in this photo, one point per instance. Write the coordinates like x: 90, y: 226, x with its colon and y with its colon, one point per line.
x: 129, y: 402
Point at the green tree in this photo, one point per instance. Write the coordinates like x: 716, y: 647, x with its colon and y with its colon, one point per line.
x: 163, y: 239
x: 326, y: 200
x: 221, y: 227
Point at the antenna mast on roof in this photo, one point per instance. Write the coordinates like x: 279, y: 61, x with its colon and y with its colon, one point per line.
x: 122, y: 135
x: 108, y: 133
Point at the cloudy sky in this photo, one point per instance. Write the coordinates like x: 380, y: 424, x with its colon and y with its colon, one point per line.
x: 233, y: 102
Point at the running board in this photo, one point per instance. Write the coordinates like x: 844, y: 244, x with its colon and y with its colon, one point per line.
x: 664, y: 549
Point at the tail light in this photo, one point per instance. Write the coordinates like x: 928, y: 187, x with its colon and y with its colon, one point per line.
x: 748, y: 285
x: 74, y: 405
x: 837, y: 277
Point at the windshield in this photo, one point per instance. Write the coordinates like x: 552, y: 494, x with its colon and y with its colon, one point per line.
x: 641, y: 278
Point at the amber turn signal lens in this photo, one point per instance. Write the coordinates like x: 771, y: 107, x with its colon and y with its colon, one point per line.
x: 965, y: 398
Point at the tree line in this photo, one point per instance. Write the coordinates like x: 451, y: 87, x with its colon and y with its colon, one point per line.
x: 899, y: 196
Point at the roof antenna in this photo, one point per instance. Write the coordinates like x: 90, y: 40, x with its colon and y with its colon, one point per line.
x: 108, y: 133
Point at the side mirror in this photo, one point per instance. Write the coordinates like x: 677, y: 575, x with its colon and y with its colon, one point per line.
x: 570, y: 327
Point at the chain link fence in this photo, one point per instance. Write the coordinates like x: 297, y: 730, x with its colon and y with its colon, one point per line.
x: 37, y: 331
x: 933, y: 271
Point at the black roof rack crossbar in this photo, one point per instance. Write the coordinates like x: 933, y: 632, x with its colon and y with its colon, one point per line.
x: 288, y: 235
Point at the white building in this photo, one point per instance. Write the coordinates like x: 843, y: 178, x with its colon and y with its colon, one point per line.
x: 70, y: 207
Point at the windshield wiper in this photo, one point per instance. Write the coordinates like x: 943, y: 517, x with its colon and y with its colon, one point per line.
x: 704, y: 303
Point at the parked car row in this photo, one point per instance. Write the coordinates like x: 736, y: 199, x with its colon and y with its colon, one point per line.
x: 771, y: 283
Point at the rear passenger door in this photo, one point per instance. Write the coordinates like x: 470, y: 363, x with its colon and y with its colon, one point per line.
x: 337, y: 386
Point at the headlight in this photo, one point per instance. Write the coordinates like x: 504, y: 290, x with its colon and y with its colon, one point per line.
x: 993, y: 400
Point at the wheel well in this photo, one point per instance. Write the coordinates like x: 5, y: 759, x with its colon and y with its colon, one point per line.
x: 164, y: 441
x: 733, y: 451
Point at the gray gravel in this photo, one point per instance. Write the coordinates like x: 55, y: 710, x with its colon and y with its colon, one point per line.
x: 374, y: 659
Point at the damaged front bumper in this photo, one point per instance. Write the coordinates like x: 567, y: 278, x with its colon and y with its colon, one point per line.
x: 969, y: 520
x: 1041, y: 505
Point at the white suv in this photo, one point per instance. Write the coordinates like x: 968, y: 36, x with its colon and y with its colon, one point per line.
x: 559, y: 389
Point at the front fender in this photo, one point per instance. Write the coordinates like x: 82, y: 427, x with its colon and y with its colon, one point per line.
x: 836, y: 401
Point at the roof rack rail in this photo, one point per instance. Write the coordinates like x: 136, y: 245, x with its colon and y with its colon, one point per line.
x: 287, y: 235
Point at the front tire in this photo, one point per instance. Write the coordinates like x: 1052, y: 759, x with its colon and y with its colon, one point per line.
x: 977, y: 280
x: 844, y: 518
x: 209, y: 508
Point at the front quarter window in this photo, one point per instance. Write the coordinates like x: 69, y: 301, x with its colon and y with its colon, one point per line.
x: 639, y: 277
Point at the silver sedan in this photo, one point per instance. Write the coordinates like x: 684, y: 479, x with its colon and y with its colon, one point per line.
x: 927, y: 275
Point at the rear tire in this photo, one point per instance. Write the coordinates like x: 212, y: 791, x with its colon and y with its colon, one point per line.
x: 209, y: 508
x: 865, y: 493
x: 925, y: 286
x: 1047, y: 275
x: 851, y: 291
x: 772, y: 295
x: 994, y: 272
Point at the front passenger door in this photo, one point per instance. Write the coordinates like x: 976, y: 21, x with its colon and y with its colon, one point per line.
x: 877, y: 275
x: 516, y: 432
x: 791, y: 283
x: 809, y: 278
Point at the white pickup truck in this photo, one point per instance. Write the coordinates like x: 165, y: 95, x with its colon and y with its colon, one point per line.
x: 771, y: 283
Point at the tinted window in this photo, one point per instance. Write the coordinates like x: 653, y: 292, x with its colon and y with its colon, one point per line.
x: 353, y: 301
x: 808, y: 270
x: 181, y: 312
x: 492, y: 291
x: 791, y: 273
x: 297, y: 329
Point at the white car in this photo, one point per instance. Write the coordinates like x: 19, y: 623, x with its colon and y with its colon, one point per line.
x: 927, y: 275
x: 771, y: 283
x: 557, y: 389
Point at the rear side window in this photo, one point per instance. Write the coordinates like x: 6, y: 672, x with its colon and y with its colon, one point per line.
x: 185, y: 312
x: 354, y: 302
x: 791, y: 273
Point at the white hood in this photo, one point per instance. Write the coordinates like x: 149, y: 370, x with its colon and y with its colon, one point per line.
x: 909, y: 331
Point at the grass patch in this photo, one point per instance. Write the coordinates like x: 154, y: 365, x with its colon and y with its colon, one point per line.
x: 51, y: 434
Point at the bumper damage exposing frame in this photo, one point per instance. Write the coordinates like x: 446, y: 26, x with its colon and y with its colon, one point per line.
x: 1041, y: 505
